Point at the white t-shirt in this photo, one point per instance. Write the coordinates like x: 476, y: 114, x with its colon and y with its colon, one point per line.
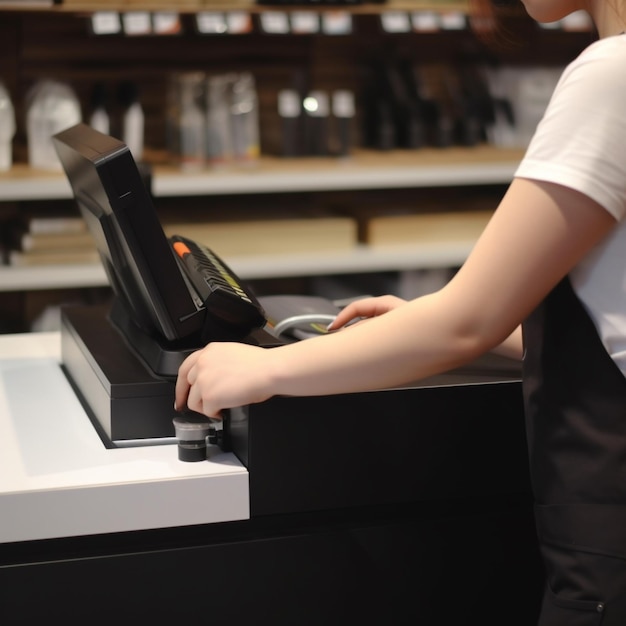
x: 581, y: 143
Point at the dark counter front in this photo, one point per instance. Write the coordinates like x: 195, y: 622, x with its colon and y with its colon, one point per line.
x: 456, y: 436
x: 434, y: 565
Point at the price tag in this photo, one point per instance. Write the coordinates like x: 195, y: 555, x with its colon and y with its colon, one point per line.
x: 426, y: 21
x: 238, y: 22
x: 106, y: 23
x: 305, y: 22
x: 211, y: 23
x: 453, y: 20
x: 275, y: 23
x: 395, y: 22
x: 137, y: 23
x: 336, y: 23
x: 166, y: 23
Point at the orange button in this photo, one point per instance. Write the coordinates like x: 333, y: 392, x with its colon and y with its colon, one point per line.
x: 181, y: 249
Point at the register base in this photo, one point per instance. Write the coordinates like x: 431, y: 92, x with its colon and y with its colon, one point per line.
x: 456, y: 436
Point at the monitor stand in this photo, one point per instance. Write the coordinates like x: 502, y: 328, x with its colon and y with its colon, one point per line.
x: 162, y: 358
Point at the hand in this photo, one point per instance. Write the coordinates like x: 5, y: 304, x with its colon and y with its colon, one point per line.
x: 366, y: 308
x: 223, y: 375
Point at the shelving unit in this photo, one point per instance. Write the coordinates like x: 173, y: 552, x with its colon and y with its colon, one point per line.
x: 29, y: 33
x: 361, y: 260
x: 482, y: 165
x: 399, y: 169
x: 193, y: 6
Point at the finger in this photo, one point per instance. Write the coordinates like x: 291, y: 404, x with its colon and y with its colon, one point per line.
x: 343, y: 317
x: 193, y: 400
x: 353, y: 311
x: 196, y: 402
x: 181, y: 399
x: 211, y: 412
x: 181, y: 391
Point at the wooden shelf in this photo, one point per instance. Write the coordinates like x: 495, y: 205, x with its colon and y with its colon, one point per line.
x: 191, y: 6
x: 362, y: 259
x: 51, y: 277
x: 366, y: 170
x: 482, y: 165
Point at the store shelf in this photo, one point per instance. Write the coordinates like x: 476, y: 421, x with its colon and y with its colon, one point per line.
x: 51, y: 277
x: 393, y: 171
x: 191, y: 6
x: 362, y: 259
x: 23, y: 183
x: 365, y: 170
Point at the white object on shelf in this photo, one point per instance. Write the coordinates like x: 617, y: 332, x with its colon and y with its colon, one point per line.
x: 7, y: 129
x: 52, y: 108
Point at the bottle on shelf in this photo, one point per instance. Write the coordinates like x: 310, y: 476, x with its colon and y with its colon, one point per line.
x: 133, y: 120
x: 191, y: 121
x: 245, y: 118
x: 99, y: 119
x: 290, y: 112
x: 343, y: 110
x: 52, y: 106
x: 218, y: 116
x: 7, y: 129
x: 317, y: 111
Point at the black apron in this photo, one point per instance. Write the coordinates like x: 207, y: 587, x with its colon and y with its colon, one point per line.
x: 575, y: 401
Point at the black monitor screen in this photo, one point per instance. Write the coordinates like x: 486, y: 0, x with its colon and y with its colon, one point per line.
x: 135, y: 252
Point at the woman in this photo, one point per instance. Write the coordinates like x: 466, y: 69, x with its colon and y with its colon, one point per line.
x: 553, y: 259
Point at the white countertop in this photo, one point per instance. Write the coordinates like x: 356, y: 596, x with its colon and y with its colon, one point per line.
x: 57, y: 479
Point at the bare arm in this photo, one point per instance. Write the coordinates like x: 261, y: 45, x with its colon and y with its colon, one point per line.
x: 511, y: 347
x: 539, y: 232
x: 367, y: 308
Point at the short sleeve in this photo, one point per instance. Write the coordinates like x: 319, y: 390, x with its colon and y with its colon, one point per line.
x: 581, y: 141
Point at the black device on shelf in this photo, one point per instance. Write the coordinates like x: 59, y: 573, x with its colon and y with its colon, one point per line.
x: 168, y: 303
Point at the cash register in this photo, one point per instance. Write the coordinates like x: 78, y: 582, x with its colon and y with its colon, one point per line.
x: 365, y: 508
x: 173, y: 295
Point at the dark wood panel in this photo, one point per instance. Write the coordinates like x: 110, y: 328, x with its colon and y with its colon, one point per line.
x: 58, y: 45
